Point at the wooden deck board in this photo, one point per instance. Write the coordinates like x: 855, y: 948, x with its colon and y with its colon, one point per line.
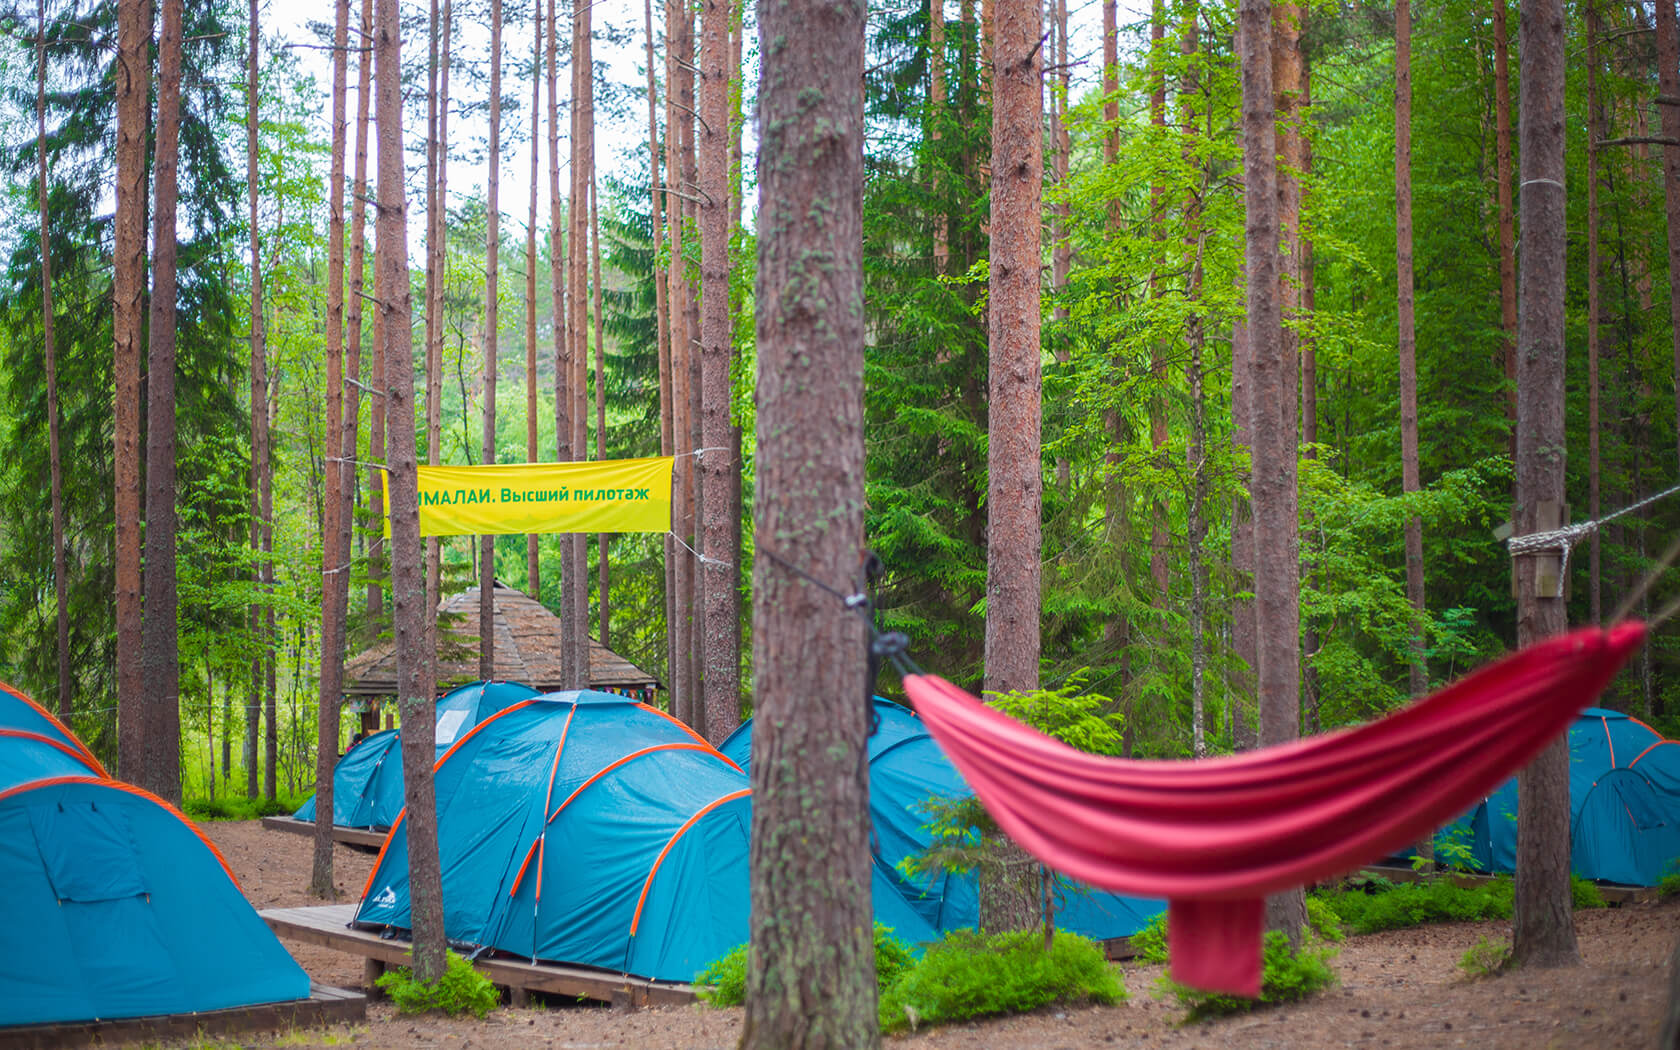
x: 364, y: 837
x: 328, y: 926
x: 324, y: 1006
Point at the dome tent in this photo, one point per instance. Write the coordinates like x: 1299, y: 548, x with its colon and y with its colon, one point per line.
x: 116, y: 906
x: 1624, y: 801
x: 18, y: 711
x: 583, y: 828
x: 368, y: 780
x: 907, y: 769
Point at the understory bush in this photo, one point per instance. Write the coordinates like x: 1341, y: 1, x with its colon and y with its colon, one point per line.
x: 1383, y: 905
x: 1584, y: 893
x: 460, y: 990
x: 1669, y: 885
x: 1286, y: 976
x: 968, y: 975
x: 236, y: 808
x: 724, y: 983
x: 1485, y: 958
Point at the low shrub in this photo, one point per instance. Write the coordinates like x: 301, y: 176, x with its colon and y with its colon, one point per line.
x: 1669, y: 885
x: 235, y: 808
x: 1584, y: 893
x: 1150, y: 943
x: 1286, y: 976
x: 1485, y: 958
x: 1382, y: 905
x: 968, y: 975
x: 461, y: 989
x: 724, y: 983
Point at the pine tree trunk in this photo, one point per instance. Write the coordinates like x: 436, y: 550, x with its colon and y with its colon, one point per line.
x: 378, y: 408
x: 408, y: 587
x: 533, y: 569
x: 1419, y: 668
x: 558, y: 277
x: 1159, y: 537
x: 492, y: 343
x: 1543, y: 925
x: 1595, y: 133
x: 603, y: 590
x: 662, y: 331
x: 128, y: 291
x: 61, y: 569
x: 1502, y: 193
x: 335, y: 552
x: 1668, y: 86
x: 1014, y: 487
x: 936, y: 116
x: 437, y: 232
x: 583, y: 167
x: 1272, y: 421
x: 720, y: 603
x: 1195, y: 338
x: 160, y: 657
x: 810, y: 972
x: 678, y: 107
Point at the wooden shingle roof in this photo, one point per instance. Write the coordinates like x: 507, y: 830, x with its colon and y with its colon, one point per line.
x: 527, y: 649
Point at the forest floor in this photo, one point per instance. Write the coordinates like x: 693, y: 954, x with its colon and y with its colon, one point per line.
x: 1396, y: 990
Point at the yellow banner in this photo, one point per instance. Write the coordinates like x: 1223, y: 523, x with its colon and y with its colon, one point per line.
x: 619, y: 495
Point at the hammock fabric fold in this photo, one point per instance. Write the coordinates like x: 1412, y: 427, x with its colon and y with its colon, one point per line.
x: 1215, y: 836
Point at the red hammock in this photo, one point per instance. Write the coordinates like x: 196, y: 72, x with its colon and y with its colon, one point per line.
x: 1215, y: 836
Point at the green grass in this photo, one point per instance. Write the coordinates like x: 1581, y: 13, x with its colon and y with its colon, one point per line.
x: 1383, y: 905
x: 240, y: 808
x: 1485, y: 958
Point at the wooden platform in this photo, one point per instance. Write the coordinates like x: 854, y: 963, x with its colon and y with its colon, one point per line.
x: 365, y: 838
x: 328, y: 926
x: 1614, y: 895
x: 323, y: 1007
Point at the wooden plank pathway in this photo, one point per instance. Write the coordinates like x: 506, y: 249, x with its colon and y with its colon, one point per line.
x: 323, y: 1007
x: 366, y: 838
x: 328, y: 926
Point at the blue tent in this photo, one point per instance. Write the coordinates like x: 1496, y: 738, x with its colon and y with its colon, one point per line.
x: 907, y: 769
x: 585, y: 828
x: 115, y: 905
x: 368, y: 780
x: 19, y: 712
x: 1624, y: 800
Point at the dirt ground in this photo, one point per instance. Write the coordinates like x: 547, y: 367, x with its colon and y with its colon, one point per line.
x: 1397, y: 990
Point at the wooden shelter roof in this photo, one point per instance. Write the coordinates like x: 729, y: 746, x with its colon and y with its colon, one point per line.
x: 527, y: 649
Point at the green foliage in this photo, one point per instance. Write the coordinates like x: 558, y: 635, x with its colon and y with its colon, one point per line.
x: 460, y: 990
x: 1485, y: 958
x: 233, y: 807
x: 1669, y: 884
x: 1081, y: 719
x: 1286, y: 976
x: 1383, y: 905
x: 724, y: 982
x: 1150, y: 943
x: 970, y: 975
x: 1584, y: 893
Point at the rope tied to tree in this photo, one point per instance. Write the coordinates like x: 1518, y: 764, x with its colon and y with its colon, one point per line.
x: 1564, y: 539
